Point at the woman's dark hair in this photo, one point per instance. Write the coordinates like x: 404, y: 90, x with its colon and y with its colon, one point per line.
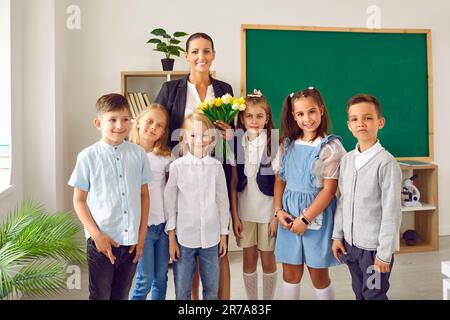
x: 199, y: 35
x: 290, y: 128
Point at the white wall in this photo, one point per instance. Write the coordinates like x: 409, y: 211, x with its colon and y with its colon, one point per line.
x: 36, y: 157
x: 41, y: 177
x: 112, y: 38
x: 10, y: 200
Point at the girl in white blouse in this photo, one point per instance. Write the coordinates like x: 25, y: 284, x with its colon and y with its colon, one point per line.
x: 150, y: 132
x: 252, y: 186
x: 196, y: 200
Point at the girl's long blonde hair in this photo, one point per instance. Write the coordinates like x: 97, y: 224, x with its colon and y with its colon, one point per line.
x: 161, y: 148
x: 197, y: 116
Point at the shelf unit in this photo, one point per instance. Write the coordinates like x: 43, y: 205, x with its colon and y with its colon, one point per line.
x: 159, y: 76
x: 149, y: 81
x: 426, y: 217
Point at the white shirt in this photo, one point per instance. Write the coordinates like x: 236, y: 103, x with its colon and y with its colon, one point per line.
x: 192, y: 97
x: 254, y: 205
x: 197, y: 187
x: 159, y: 166
x: 314, y: 143
x: 361, y: 158
x: 253, y: 153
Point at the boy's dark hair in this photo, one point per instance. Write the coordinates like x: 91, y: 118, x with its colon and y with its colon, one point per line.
x: 112, y: 102
x: 362, y: 97
x: 289, y: 127
x: 199, y: 35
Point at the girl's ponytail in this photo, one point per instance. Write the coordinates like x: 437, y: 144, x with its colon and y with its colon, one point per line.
x: 289, y: 128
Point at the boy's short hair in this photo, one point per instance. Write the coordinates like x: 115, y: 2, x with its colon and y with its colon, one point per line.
x: 362, y: 97
x: 111, y: 102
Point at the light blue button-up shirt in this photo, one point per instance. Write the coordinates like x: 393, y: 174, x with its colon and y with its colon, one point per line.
x: 113, y: 176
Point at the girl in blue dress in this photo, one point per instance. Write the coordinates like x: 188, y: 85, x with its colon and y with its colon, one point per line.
x: 304, y: 194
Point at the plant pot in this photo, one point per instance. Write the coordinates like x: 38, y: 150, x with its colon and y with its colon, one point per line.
x: 167, y: 64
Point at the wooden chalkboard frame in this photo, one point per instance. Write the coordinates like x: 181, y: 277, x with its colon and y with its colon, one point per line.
x: 246, y: 27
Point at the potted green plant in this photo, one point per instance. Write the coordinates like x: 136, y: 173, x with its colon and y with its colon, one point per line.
x: 36, y: 249
x: 169, y: 45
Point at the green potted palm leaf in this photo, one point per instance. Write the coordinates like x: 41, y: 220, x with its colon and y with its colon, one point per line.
x: 169, y: 45
x: 35, y: 251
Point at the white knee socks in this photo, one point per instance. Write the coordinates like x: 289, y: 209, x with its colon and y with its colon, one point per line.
x: 326, y: 293
x: 290, y: 291
x: 269, y: 285
x: 251, y: 285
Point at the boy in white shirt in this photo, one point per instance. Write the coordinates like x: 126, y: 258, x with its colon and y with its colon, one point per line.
x: 198, y: 228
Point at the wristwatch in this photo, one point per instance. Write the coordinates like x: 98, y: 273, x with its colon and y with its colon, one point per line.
x: 276, y: 211
x: 304, y: 220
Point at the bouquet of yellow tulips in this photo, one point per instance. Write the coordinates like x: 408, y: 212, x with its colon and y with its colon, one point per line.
x: 225, y: 109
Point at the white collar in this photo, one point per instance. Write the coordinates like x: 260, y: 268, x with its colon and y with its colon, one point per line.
x: 209, y: 91
x: 314, y: 143
x: 372, y: 150
x: 195, y: 160
x: 259, y: 141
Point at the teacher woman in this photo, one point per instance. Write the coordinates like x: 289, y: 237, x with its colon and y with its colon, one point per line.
x: 180, y: 97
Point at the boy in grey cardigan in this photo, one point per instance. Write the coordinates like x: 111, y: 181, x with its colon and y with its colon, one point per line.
x: 368, y: 213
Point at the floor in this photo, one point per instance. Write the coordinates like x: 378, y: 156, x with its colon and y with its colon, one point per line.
x: 416, y: 276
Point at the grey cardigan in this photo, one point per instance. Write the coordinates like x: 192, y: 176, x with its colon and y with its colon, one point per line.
x: 368, y: 213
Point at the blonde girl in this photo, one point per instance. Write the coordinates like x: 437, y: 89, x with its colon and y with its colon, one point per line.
x: 304, y: 195
x: 150, y: 132
x: 196, y: 200
x: 252, y: 186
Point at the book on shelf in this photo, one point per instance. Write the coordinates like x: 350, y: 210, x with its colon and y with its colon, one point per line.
x: 141, y: 101
x: 147, y: 100
x: 411, y: 163
x: 133, y: 105
x: 138, y: 102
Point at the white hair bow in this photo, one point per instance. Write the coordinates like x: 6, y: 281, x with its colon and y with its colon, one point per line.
x: 256, y: 93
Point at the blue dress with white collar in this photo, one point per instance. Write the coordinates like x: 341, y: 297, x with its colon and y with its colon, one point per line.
x: 313, y: 248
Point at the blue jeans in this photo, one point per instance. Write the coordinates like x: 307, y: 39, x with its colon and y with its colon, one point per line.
x: 153, y: 265
x: 184, y: 270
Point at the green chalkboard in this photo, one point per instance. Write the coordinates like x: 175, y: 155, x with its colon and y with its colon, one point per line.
x: 392, y: 66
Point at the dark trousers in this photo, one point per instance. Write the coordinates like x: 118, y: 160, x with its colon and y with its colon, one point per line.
x: 110, y: 281
x: 367, y: 284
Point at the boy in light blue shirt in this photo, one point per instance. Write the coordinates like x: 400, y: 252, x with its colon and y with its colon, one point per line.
x: 111, y: 200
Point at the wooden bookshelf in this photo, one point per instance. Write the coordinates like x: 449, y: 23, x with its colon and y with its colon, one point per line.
x: 426, y: 217
x: 163, y: 76
x: 160, y: 76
